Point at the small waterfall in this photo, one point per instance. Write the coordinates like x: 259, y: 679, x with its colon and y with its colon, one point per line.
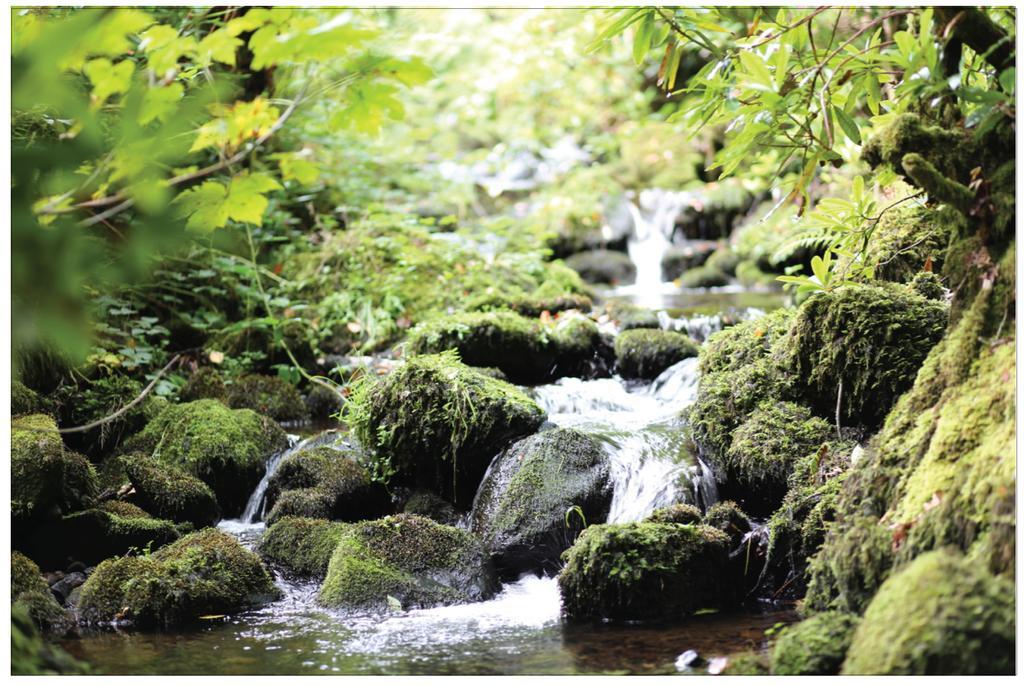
x: 654, y: 217
x: 700, y: 327
x: 650, y: 463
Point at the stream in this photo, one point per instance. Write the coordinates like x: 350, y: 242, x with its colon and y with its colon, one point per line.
x: 520, y: 630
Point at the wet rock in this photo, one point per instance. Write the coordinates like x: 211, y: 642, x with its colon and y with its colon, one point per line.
x: 646, y: 572
x: 62, y: 589
x: 227, y: 449
x: 271, y: 396
x: 538, y: 495
x: 703, y: 277
x: 325, y: 482
x: 46, y: 479
x: 435, y: 424
x: 429, y: 505
x: 941, y: 614
x: 301, y: 546
x: 679, y: 259
x: 171, y: 493
x: 208, y: 572
x: 607, y: 267
x: 412, y: 559
x: 646, y: 353
x: 322, y: 402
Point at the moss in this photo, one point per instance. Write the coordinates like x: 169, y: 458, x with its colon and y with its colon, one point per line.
x: 25, y: 576
x: 525, y: 350
x: 123, y: 508
x: 928, y: 285
x: 646, y: 353
x: 429, y: 505
x: 749, y: 663
x: 727, y: 517
x: 522, y: 509
x: 323, y: 402
x: 227, y: 449
x: 906, y: 238
x: 417, y: 561
x: 208, y: 572
x: 646, y: 572
x: 764, y: 449
x: 680, y: 513
x: 534, y: 304
x: 744, y: 343
x: 703, y: 277
x: 868, y: 340
x: 435, y: 423
x: 46, y: 479
x: 679, y: 259
x: 24, y: 400
x: 31, y: 655
x: 850, y: 567
x: 948, y: 150
x: 938, y: 615
x: 171, y: 493
x: 326, y: 483
x: 271, y: 396
x: 205, y: 382
x: 46, y: 613
x: 750, y: 275
x: 92, y: 535
x: 603, y: 267
x: 301, y: 546
x: 814, y: 646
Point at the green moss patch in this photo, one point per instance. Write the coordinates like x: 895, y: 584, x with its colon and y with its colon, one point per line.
x: 46, y: 479
x: 301, y: 546
x: 646, y: 353
x: 271, y: 396
x: 169, y: 492
x: 814, y: 646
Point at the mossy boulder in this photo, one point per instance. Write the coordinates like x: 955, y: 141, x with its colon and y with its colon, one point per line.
x: 169, y: 492
x: 680, y: 513
x: 938, y: 615
x: 32, y: 655
x: 204, y: 383
x: 763, y: 451
x: 208, y: 572
x: 29, y: 590
x: 608, y: 267
x: 646, y: 353
x: 522, y: 511
x: 526, y: 350
x: 323, y: 402
x: 727, y: 517
x: 646, y: 572
x: 24, y: 400
x: 928, y: 285
x: 430, y: 505
x: 412, y: 559
x: 323, y: 482
x: 703, y: 277
x: 301, y: 546
x: 94, y: 535
x: 123, y: 508
x: 814, y: 646
x: 725, y: 260
x: 678, y: 259
x: 744, y: 343
x: 46, y: 479
x: 869, y: 341
x: 851, y: 566
x: 228, y: 449
x: 908, y: 239
x: 271, y: 396
x: 435, y: 424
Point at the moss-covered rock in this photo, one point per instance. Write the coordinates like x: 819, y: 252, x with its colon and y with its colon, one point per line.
x: 31, y: 655
x: 906, y: 239
x: 680, y: 513
x: 646, y: 353
x: 525, y: 350
x: 725, y: 260
x: 301, y: 546
x: 25, y: 576
x: 814, y: 646
x: 414, y: 560
x: 704, y: 277
x: 323, y: 402
x: 324, y: 482
x: 679, y: 259
x: 646, y: 572
x: 727, y: 517
x: 850, y: 567
x: 522, y: 510
x: 747, y: 663
x: 938, y: 615
x: 46, y: 479
x: 745, y: 343
x: 435, y: 424
x: 208, y: 572
x: 870, y: 340
x: 429, y: 505
x: 764, y: 449
x: 204, y: 383
x: 228, y: 449
x: 603, y: 267
x: 123, y: 508
x: 928, y: 285
x: 169, y: 492
x: 24, y: 400
x: 271, y: 396
x: 94, y: 535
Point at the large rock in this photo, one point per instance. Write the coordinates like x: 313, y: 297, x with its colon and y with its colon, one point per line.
x: 29, y: 590
x: 228, y: 449
x: 603, y: 267
x: 435, y: 423
x: 941, y: 614
x: 646, y: 353
x: 208, y: 572
x: 411, y: 559
x: 168, y: 492
x: 325, y: 482
x: 815, y: 646
x: 646, y: 572
x: 526, y: 350
x: 301, y: 546
x: 526, y: 511
x: 268, y: 395
x: 46, y: 479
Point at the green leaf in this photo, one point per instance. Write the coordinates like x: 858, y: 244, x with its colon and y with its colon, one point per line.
x: 245, y: 201
x: 848, y: 125
x: 642, y: 39
x: 204, y: 206
x: 219, y: 46
x: 160, y: 103
x: 1008, y: 79
x: 295, y: 167
x: 755, y: 68
x: 108, y: 79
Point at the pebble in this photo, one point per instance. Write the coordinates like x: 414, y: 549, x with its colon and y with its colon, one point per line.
x: 62, y: 589
x: 688, y: 660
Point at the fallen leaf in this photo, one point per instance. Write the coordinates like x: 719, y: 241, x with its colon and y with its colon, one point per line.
x: 216, y: 357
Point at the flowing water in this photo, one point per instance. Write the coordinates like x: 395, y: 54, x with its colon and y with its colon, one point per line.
x: 520, y: 631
